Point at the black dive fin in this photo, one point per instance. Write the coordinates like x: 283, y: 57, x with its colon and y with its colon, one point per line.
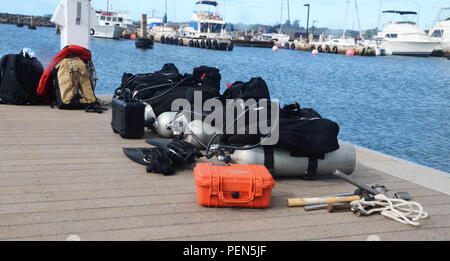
x: 136, y: 154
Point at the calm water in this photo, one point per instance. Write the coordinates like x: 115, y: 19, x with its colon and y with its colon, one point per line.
x: 396, y: 105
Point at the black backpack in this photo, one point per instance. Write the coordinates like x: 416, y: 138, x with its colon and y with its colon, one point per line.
x: 19, y: 79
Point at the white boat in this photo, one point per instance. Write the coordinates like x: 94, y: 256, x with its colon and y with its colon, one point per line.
x: 277, y: 38
x: 441, y: 32
x: 111, y: 24
x: 206, y: 22
x: 158, y: 27
x: 405, y: 38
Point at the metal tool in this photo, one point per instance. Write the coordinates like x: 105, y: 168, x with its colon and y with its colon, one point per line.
x: 338, y: 207
x: 363, y: 187
x: 402, y: 195
x: 381, y: 189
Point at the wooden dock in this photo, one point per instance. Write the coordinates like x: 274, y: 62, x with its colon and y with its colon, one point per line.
x: 64, y: 173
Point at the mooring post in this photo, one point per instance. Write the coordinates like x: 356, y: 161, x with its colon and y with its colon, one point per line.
x: 144, y: 25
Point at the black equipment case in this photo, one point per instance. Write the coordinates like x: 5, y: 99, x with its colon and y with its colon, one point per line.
x: 128, y: 118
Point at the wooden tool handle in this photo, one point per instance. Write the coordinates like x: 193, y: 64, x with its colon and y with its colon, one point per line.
x: 301, y: 202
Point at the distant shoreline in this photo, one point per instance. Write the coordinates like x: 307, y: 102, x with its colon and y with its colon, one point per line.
x: 38, y: 21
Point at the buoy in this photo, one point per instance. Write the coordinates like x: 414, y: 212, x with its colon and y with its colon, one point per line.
x: 283, y: 45
x: 275, y: 48
x: 133, y: 37
x: 315, y: 52
x: 350, y: 52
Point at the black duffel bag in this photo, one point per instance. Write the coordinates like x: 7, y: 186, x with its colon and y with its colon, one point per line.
x: 303, y: 132
x: 308, y: 137
x: 256, y: 89
x: 204, y: 79
x: 144, y: 86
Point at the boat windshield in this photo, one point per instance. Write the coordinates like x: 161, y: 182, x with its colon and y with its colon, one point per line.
x: 406, y: 16
x: 213, y: 3
x: 207, y: 10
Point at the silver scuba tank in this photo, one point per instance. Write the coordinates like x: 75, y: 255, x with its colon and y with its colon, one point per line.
x: 285, y: 165
x: 149, y: 115
x: 200, y: 134
x: 170, y: 124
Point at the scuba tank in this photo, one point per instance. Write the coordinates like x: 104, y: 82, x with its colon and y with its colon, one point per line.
x: 170, y: 124
x: 149, y: 115
x: 285, y: 165
x: 200, y: 134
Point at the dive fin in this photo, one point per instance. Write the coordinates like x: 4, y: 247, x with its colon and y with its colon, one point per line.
x: 136, y: 154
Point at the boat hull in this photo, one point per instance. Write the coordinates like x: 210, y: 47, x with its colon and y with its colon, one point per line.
x: 410, y: 48
x: 108, y: 32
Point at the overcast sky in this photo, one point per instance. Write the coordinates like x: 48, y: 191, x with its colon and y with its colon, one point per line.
x: 327, y: 13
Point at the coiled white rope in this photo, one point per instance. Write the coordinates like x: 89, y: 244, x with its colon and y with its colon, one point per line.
x: 406, y: 212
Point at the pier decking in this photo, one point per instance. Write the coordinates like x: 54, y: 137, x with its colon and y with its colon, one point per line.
x: 64, y: 173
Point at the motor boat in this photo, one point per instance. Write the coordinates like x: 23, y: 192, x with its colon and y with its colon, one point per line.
x: 206, y: 22
x: 144, y: 43
x: 111, y: 24
x: 277, y: 38
x: 441, y: 32
x: 405, y: 37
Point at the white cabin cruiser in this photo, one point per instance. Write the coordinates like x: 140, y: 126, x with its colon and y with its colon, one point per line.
x: 277, y: 38
x: 405, y: 38
x: 111, y: 24
x: 206, y: 22
x: 441, y: 32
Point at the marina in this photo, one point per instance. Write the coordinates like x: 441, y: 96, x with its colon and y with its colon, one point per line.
x: 109, y: 133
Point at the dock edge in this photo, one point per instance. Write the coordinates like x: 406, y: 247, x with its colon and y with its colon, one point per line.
x: 418, y: 174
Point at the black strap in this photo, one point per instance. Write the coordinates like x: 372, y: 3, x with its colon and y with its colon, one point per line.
x: 269, y: 158
x: 2, y: 62
x: 312, y: 169
x: 95, y: 107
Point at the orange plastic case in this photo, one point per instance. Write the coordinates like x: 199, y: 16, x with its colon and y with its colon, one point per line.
x: 233, y: 185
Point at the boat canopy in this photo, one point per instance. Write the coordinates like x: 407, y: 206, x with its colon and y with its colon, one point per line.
x: 213, y: 3
x: 400, y: 12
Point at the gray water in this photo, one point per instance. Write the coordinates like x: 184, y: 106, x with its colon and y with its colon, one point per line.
x: 396, y: 105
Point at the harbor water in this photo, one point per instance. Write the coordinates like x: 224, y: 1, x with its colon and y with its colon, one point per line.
x: 396, y: 105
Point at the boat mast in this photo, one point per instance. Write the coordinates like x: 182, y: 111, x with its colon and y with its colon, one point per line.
x: 165, y: 12
x: 107, y: 7
x: 281, y: 16
x: 289, y: 11
x: 357, y: 16
x: 346, y: 16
